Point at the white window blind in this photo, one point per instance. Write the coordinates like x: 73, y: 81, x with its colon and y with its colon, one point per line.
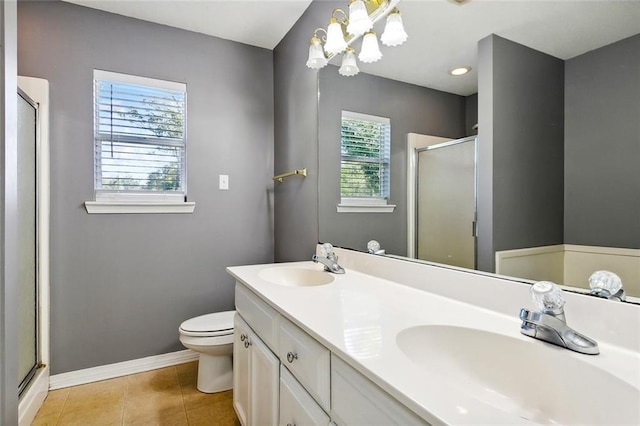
x: 365, y: 157
x: 139, y: 136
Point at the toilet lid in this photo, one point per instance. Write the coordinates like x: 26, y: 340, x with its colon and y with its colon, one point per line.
x: 218, y: 323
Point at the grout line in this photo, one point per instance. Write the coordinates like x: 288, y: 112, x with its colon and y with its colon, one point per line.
x: 64, y: 404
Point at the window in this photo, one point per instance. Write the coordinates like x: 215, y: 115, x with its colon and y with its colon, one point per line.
x: 139, y: 139
x: 365, y: 161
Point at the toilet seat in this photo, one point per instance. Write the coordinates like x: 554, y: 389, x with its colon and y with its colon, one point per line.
x: 209, y: 325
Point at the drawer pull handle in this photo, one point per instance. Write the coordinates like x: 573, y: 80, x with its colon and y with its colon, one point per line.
x: 291, y: 424
x: 291, y: 357
x: 247, y: 343
x: 243, y: 337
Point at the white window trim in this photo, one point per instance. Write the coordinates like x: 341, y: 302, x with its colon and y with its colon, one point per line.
x: 133, y: 203
x: 121, y: 203
x: 365, y: 205
x: 106, y: 207
x: 134, y: 79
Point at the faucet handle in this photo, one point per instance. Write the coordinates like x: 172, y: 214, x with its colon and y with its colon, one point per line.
x: 605, y: 281
x: 547, y: 297
x: 326, y: 250
x: 373, y: 246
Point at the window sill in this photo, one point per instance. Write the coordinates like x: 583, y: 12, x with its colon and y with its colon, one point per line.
x: 365, y: 208
x: 149, y: 207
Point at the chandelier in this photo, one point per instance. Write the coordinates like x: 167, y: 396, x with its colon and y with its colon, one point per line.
x: 343, y: 30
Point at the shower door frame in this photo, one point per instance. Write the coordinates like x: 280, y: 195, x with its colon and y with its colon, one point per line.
x: 417, y: 143
x: 31, y: 400
x: 26, y: 380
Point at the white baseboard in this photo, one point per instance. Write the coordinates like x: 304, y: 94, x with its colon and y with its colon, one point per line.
x: 33, y: 397
x: 110, y: 371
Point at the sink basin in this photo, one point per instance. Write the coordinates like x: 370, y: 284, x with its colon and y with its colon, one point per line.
x: 533, y: 380
x: 298, y: 277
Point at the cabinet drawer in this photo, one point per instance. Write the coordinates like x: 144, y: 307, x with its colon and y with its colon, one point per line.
x: 307, y: 360
x: 261, y: 317
x: 356, y: 400
x: 297, y: 407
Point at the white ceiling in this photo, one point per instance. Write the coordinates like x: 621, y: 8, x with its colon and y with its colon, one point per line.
x: 258, y: 23
x: 442, y: 34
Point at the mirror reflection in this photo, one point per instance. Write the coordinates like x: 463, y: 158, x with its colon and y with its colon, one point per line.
x: 555, y: 192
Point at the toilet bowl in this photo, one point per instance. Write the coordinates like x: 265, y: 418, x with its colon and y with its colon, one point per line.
x: 211, y: 336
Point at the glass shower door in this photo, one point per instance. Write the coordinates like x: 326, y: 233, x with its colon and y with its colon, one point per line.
x: 446, y: 203
x: 27, y: 246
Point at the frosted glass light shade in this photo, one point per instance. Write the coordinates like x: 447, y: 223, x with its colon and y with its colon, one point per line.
x: 370, y: 50
x: 349, y: 66
x: 394, y: 33
x: 359, y: 21
x: 316, y: 59
x: 335, y: 39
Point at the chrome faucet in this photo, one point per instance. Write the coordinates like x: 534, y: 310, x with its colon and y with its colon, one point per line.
x: 607, y: 285
x: 549, y: 323
x: 329, y: 259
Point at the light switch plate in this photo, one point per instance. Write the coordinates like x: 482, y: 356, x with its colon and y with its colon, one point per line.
x: 224, y: 182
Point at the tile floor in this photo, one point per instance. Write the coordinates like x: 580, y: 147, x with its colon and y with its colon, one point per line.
x: 163, y: 397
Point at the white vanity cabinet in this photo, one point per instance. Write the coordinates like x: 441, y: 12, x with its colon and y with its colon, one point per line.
x: 297, y: 407
x: 255, y: 378
x: 303, y: 383
x: 355, y: 400
x: 307, y: 360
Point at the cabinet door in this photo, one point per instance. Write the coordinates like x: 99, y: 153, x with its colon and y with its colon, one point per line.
x: 264, y: 395
x: 241, y: 369
x: 297, y: 407
x: 355, y: 400
x: 307, y: 360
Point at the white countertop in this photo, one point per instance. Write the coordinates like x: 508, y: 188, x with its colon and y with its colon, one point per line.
x: 359, y: 316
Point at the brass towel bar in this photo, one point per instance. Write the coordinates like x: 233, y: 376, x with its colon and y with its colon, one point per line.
x: 281, y: 177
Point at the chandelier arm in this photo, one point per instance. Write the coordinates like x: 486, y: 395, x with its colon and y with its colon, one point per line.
x: 323, y: 38
x: 345, y: 17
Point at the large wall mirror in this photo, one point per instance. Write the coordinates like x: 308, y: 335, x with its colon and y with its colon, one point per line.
x: 553, y: 97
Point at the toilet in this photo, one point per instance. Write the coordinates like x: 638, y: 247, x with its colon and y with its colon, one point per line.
x: 211, y: 336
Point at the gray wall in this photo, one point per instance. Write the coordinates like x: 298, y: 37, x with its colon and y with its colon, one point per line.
x: 295, y: 147
x: 411, y: 109
x: 471, y: 114
x: 521, y: 103
x: 8, y: 217
x: 122, y: 284
x: 602, y: 146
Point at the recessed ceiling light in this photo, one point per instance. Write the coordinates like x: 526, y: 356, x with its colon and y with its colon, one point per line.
x: 460, y: 70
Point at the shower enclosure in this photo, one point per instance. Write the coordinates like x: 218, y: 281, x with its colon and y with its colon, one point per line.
x: 33, y: 246
x: 443, y: 175
x: 28, y: 359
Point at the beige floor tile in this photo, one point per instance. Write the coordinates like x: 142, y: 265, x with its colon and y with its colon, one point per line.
x: 99, y: 403
x: 45, y: 419
x: 152, y: 406
x: 217, y: 414
x: 105, y: 391
x: 187, y: 373
x: 105, y: 415
x: 154, y: 398
x: 164, y: 380
x: 193, y: 398
x: 54, y: 403
x: 177, y: 419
